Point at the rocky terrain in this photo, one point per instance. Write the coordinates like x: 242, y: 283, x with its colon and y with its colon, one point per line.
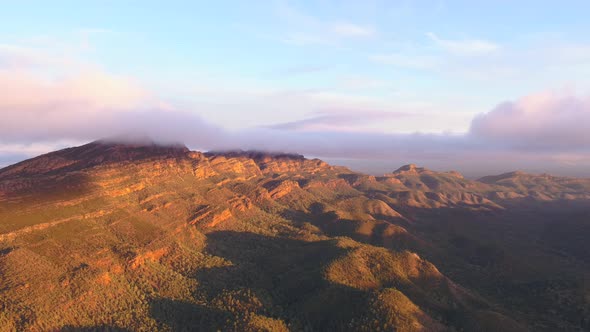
x: 148, y: 237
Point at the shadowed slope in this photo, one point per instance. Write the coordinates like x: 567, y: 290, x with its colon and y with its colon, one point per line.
x: 146, y: 237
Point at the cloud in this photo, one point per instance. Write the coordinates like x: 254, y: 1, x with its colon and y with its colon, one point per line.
x: 302, y: 29
x: 464, y: 47
x: 36, y: 108
x: 546, y: 132
x: 88, y: 91
x: 546, y: 121
x: 336, y: 144
x: 17, y: 56
x: 46, y: 102
x: 92, y: 106
x: 339, y: 120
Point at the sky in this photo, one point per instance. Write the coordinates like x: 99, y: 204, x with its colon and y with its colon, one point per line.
x: 482, y: 87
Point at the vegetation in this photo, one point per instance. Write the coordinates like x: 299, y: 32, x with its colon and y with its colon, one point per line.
x: 177, y: 241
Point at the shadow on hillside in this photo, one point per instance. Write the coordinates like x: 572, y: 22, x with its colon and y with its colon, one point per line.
x: 286, y: 278
x: 523, y: 257
x: 185, y: 316
x: 385, y: 231
x: 46, y: 188
x: 489, y: 251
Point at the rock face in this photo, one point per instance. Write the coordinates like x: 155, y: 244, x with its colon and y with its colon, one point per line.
x: 274, y: 162
x: 269, y: 241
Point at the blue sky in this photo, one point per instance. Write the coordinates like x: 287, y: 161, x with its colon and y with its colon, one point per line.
x: 296, y: 67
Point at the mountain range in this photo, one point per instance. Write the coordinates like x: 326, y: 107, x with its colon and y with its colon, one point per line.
x: 141, y: 237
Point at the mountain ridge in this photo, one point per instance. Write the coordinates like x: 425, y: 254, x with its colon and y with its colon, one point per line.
x: 260, y: 241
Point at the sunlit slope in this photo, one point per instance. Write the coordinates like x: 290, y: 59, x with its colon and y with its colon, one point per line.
x: 144, y: 237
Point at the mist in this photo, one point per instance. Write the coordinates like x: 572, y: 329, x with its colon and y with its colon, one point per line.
x: 544, y: 132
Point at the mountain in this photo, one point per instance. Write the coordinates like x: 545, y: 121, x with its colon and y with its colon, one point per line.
x: 542, y: 187
x: 140, y: 236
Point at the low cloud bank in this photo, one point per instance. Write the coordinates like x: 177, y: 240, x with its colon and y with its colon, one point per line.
x: 542, y: 122
x: 539, y: 132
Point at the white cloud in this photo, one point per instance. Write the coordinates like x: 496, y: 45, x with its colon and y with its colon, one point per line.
x: 545, y: 121
x: 302, y: 29
x: 45, y: 101
x: 464, y: 47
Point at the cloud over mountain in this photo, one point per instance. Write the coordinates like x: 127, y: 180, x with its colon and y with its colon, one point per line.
x: 41, y: 108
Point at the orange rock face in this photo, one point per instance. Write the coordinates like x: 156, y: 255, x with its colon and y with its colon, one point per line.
x: 150, y: 256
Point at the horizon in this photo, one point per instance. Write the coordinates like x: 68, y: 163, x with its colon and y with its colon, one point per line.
x: 357, y: 166
x: 449, y: 85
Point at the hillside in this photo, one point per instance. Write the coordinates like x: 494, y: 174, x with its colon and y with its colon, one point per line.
x: 148, y: 237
